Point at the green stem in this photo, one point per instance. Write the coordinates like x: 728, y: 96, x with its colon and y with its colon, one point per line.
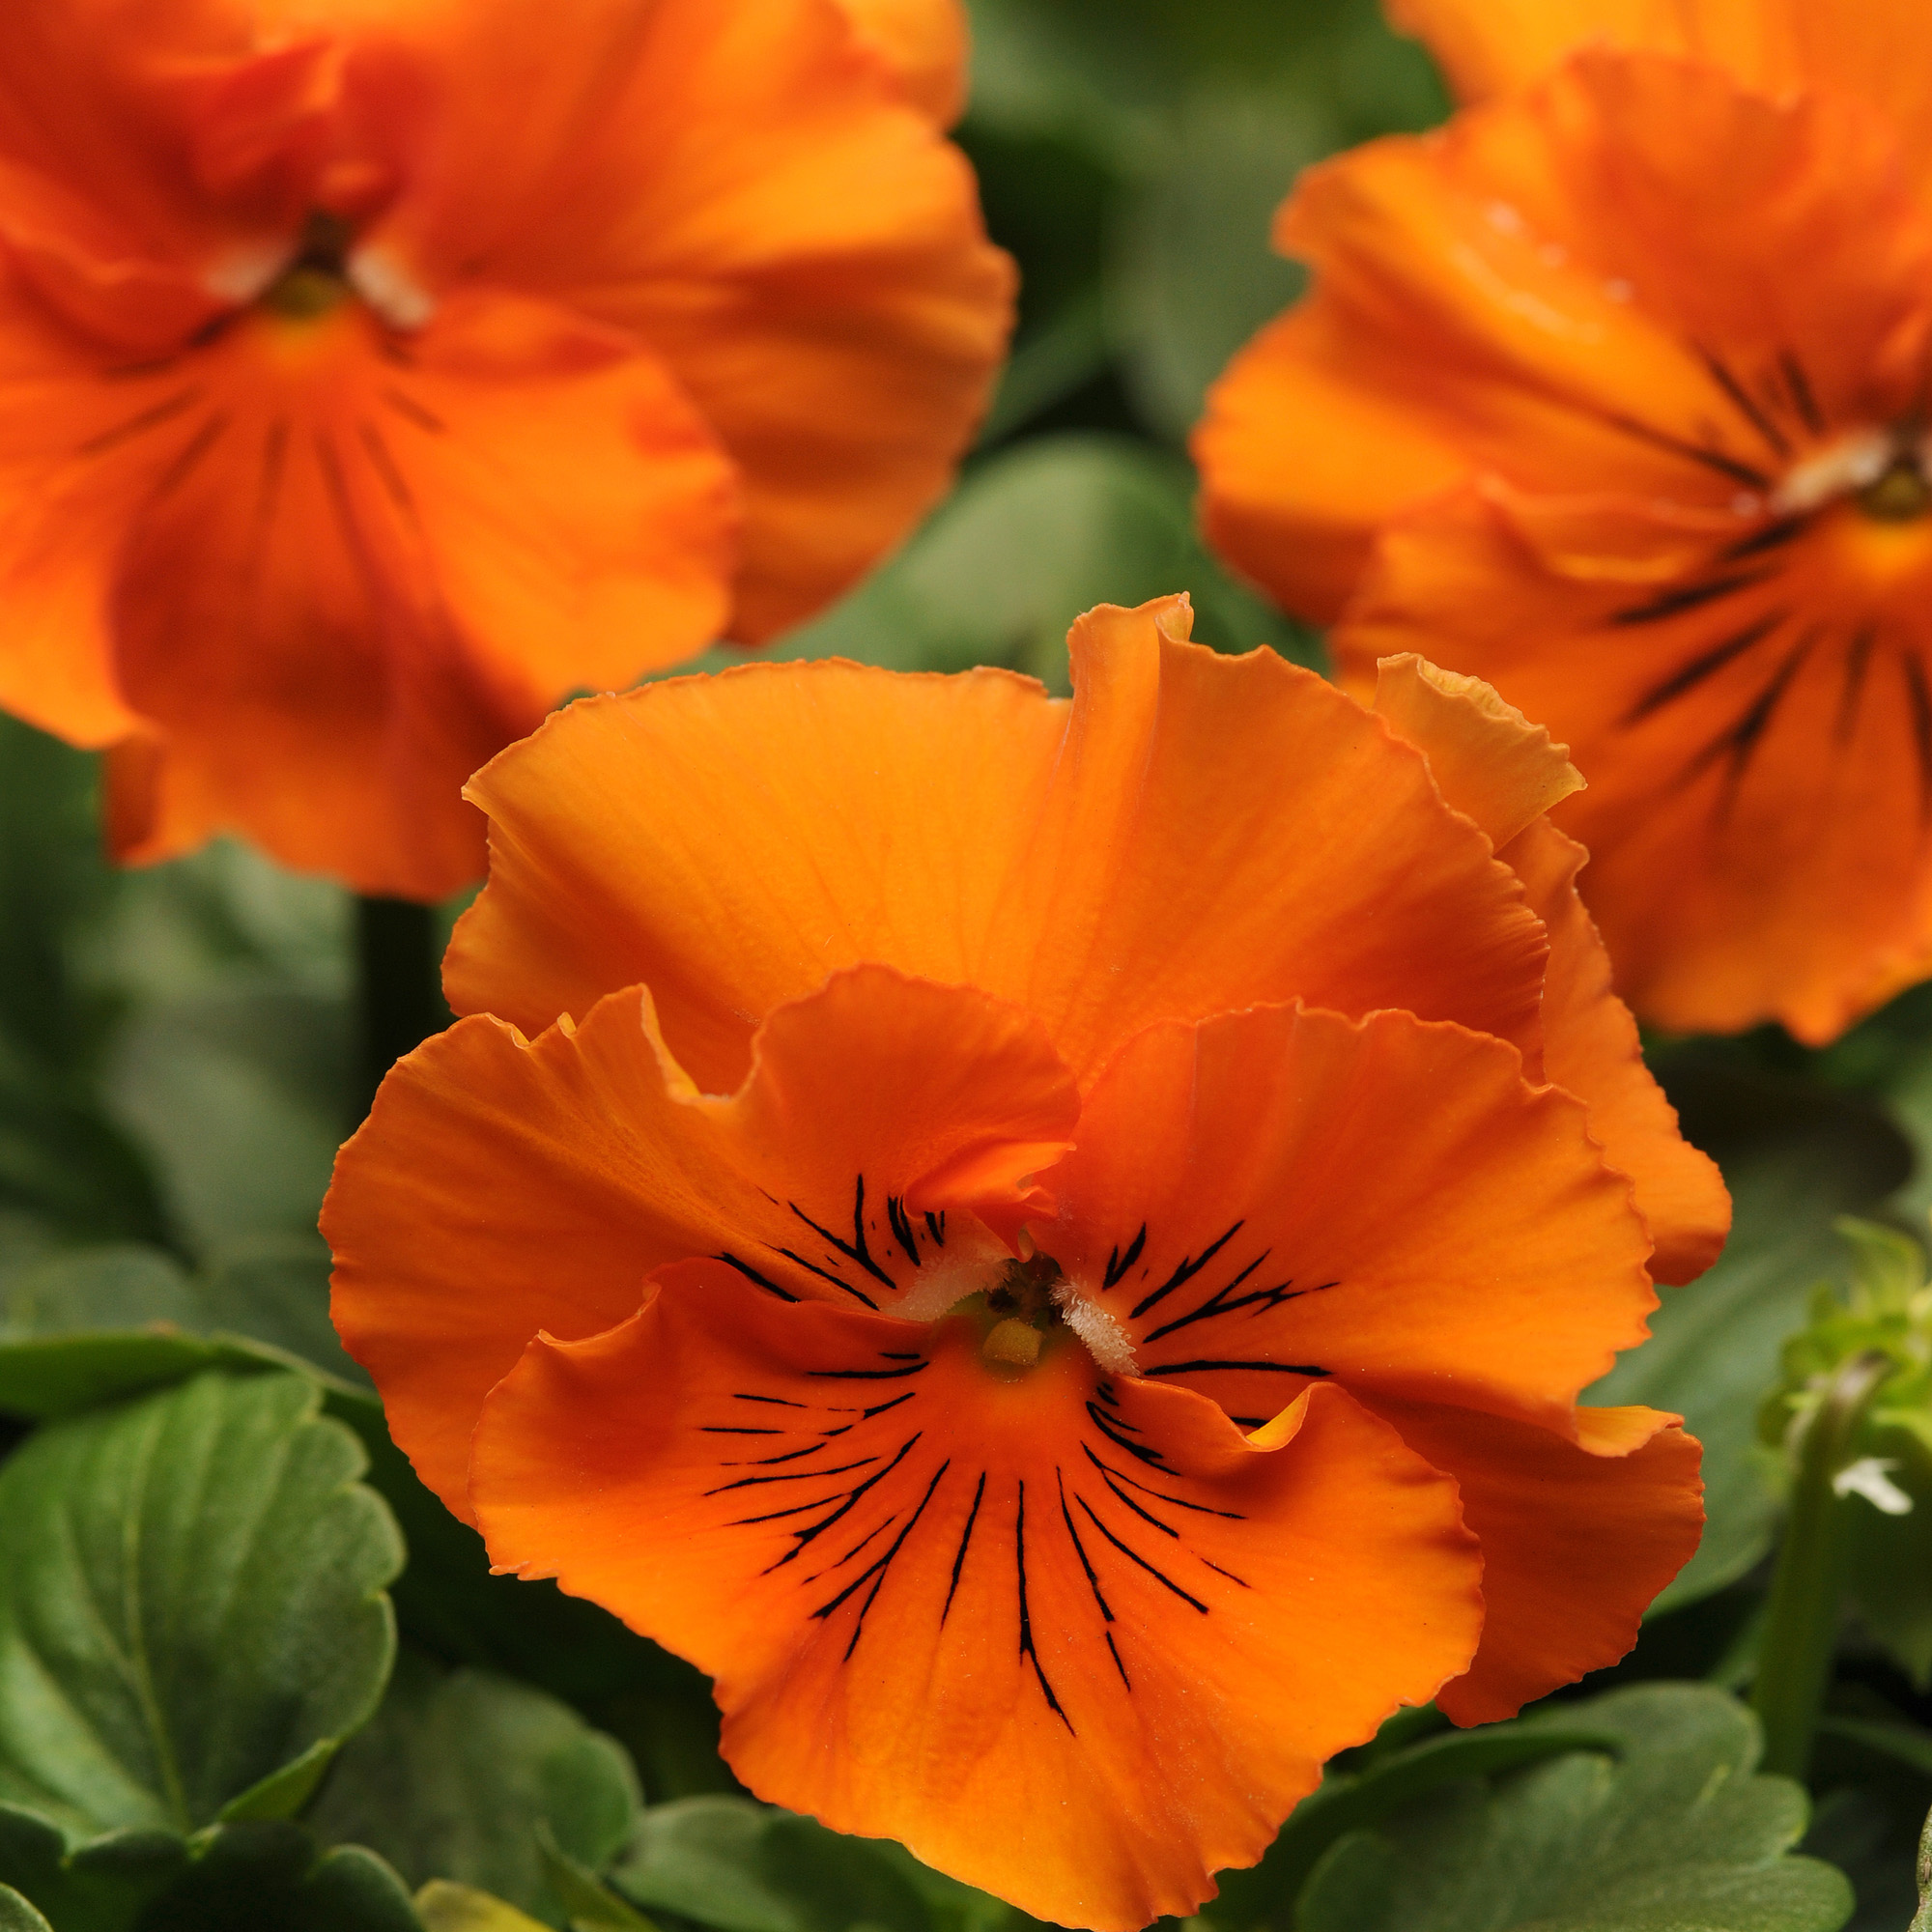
x: 1793, y: 1660
x: 400, y: 992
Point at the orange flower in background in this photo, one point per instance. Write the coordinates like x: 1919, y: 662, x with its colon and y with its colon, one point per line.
x: 1613, y: 393
x: 1051, y: 1248
x: 372, y: 375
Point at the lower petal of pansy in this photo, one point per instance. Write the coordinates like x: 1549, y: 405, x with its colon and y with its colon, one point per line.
x: 503, y: 1185
x: 1577, y: 1537
x: 1284, y: 1194
x: 1069, y: 1637
x: 340, y: 568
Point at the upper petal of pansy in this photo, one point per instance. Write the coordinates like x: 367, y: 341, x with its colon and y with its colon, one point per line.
x: 750, y: 190
x: 924, y: 43
x: 502, y: 1185
x: 1195, y: 835
x: 731, y: 840
x: 1071, y: 1638
x: 1581, y: 1529
x: 1503, y: 772
x: 1284, y: 1193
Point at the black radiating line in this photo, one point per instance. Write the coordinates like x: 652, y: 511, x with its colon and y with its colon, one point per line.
x: 1134, y: 1556
x: 752, y: 1275
x: 1712, y: 459
x: 188, y: 459
x: 936, y: 1227
x: 1741, y: 740
x: 1117, y: 1264
x: 1141, y: 1452
x: 803, y: 1538
x: 1799, y: 384
x: 1779, y: 444
x: 1267, y: 1368
x: 1080, y: 1548
x: 868, y: 1375
x: 1700, y: 668
x: 879, y: 1568
x: 854, y: 1250
x: 1922, y: 724
x: 826, y: 1274
x: 1026, y: 1621
x: 1229, y: 1574
x: 1684, y: 597
x: 901, y: 1227
x: 959, y: 1561
x: 777, y: 1401
x: 1118, y: 1665
x: 1121, y: 1495
x: 1185, y: 1271
x: 733, y: 1428
x: 790, y: 1476
x: 1159, y: 1495
x: 880, y: 1407
x: 153, y: 418
x: 1773, y: 536
x: 1857, y: 662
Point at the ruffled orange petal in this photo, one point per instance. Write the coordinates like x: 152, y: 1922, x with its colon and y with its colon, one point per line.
x: 949, y: 1608
x: 1755, y: 762
x: 1284, y: 1193
x: 1150, y: 853
x: 1503, y: 772
x: 731, y: 841
x: 1586, y: 287
x: 343, y: 570
x: 502, y: 1185
x: 1579, y: 1536
x: 750, y: 191
x: 923, y: 42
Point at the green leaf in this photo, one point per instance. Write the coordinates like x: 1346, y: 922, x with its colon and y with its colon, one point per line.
x: 1032, y: 537
x: 1794, y: 1158
x: 459, y: 1769
x: 1675, y: 1832
x: 17, y: 1916
x: 589, y: 1904
x: 97, y: 1887
x: 190, y: 1605
x: 743, y: 1868
x: 1904, y: 1743
x: 1344, y: 1801
x: 252, y: 1876
x: 446, y: 1907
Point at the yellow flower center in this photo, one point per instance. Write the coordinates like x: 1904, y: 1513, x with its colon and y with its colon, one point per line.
x: 316, y: 280
x: 1900, y: 493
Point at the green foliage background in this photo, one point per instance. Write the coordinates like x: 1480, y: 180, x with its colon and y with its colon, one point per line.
x: 252, y: 1675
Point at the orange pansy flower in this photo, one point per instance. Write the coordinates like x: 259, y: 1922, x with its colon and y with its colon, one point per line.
x: 1613, y: 393
x: 374, y: 375
x: 1051, y: 1248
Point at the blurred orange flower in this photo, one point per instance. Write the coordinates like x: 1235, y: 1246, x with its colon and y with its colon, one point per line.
x: 1041, y: 1245
x: 1613, y: 393
x: 374, y: 375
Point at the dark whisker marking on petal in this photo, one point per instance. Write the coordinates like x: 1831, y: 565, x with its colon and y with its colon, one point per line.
x: 1141, y: 1452
x: 1857, y: 662
x: 329, y: 462
x: 878, y: 1409
x: 1743, y: 738
x: 1128, y: 1681
x: 1026, y: 1621
x: 1259, y: 1299
x: 268, y: 486
x: 406, y: 405
x: 1798, y: 387
x: 1712, y: 459
x: 935, y: 1225
x: 1108, y: 1470
x: 901, y: 1227
x: 1080, y: 1548
x: 1682, y: 597
x: 733, y: 1429
x: 1229, y: 1574
x: 854, y: 1250
x: 1117, y: 1264
x: 1120, y: 1494
x: 777, y: 1401
x: 1747, y: 408
x: 189, y: 457
x: 1773, y: 536
x: 165, y: 410
x: 778, y: 1516
x: 758, y: 1280
x: 868, y: 1375
x: 1106, y: 1391
x: 899, y: 1355
x: 790, y: 1476
x: 383, y: 461
x: 1707, y: 665
x: 770, y: 1462
x: 1134, y: 1556
x: 839, y: 1563
x: 1188, y: 1269
x: 802, y: 1537
x: 966, y: 1537
x: 1922, y: 724
x: 879, y: 1568
x: 825, y: 1274
x: 1267, y: 1368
